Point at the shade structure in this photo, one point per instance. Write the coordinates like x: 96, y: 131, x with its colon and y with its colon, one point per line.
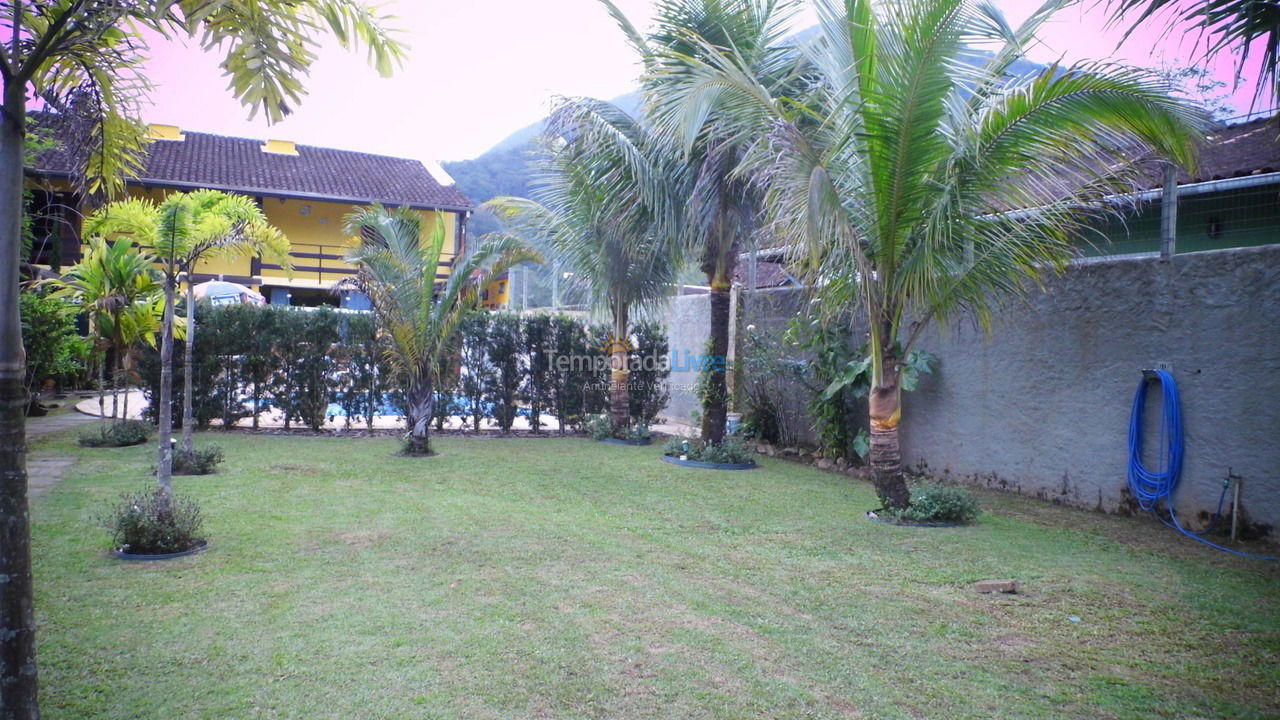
x: 221, y: 292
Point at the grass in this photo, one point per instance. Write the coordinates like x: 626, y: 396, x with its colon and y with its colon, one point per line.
x: 564, y: 578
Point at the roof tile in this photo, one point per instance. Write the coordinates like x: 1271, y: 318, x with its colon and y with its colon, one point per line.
x: 203, y: 160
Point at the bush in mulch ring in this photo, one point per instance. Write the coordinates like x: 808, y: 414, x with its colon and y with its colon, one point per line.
x: 150, y: 525
x: 933, y: 505
x: 200, y: 461
x: 635, y: 435
x: 123, y: 433
x: 732, y: 454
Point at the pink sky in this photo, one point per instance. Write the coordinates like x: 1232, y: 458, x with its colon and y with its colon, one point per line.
x: 481, y: 69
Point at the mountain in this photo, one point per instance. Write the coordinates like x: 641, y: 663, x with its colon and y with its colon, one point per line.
x: 505, y: 169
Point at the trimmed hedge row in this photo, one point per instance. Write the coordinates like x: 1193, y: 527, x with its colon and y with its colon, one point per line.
x: 319, y: 364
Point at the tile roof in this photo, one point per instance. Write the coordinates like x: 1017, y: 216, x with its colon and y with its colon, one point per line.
x: 1249, y: 148
x: 203, y: 160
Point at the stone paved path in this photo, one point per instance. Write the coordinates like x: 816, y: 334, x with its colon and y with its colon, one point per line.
x: 44, y: 470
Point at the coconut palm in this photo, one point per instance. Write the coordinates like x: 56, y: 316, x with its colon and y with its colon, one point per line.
x: 396, y: 266
x: 896, y: 176
x: 119, y: 287
x: 183, y: 230
x: 721, y: 214
x: 1219, y: 25
x: 605, y: 216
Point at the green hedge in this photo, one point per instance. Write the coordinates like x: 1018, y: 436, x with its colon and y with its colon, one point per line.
x: 301, y: 362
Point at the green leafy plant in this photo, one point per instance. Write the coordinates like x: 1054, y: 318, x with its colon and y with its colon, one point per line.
x: 638, y: 433
x: 605, y: 212
x: 537, y: 333
x: 889, y: 172
x: 476, y: 372
x: 650, y: 368
x: 768, y: 374
x: 503, y: 344
x: 152, y: 522
x: 934, y: 503
x: 598, y: 427
x: 49, y: 339
x: 733, y: 450
x: 396, y: 257
x: 123, y: 433
x: 198, y: 461
x: 569, y: 385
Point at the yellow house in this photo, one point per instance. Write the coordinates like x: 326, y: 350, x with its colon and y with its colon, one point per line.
x: 303, y: 190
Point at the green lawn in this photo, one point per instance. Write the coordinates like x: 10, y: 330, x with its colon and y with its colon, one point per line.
x: 562, y: 578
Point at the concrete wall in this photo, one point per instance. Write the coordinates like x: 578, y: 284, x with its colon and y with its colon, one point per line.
x: 688, y: 323
x: 769, y: 312
x: 1041, y: 406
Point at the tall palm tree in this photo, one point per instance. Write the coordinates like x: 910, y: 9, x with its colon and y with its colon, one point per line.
x: 396, y: 266
x: 119, y: 287
x: 183, y: 230
x: 1218, y: 25
x: 723, y: 207
x: 897, y: 176
x: 85, y: 59
x: 604, y: 212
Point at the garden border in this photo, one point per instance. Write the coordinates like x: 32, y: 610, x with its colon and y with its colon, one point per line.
x: 709, y: 465
x: 139, y: 557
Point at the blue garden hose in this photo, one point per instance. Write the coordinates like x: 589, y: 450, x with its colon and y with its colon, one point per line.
x: 1150, y: 488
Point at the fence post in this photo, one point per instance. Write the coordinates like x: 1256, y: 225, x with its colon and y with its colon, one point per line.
x: 1169, y: 213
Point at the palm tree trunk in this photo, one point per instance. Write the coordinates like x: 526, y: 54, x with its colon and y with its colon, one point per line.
x: 420, y: 404
x: 124, y: 383
x: 619, y: 376
x: 102, y: 389
x: 885, y: 403
x: 188, y: 365
x: 716, y: 395
x: 164, y: 469
x: 18, y: 697
x: 115, y: 389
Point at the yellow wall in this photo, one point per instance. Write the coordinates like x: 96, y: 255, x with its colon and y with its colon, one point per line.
x: 233, y: 268
x: 497, y: 294
x: 314, y: 229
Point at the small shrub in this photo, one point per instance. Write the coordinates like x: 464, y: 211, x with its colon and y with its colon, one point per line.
x: 732, y: 451
x: 117, y: 434
x: 676, y: 447
x: 148, y: 523
x: 933, y: 503
x: 638, y: 433
x: 598, y: 427
x: 200, y: 461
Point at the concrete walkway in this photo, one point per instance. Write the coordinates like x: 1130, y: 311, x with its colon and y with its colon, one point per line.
x: 45, y: 470
x: 41, y: 426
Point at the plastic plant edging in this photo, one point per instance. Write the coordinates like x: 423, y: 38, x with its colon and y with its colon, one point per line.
x: 620, y: 441
x: 887, y: 521
x: 135, y: 557
x: 708, y: 465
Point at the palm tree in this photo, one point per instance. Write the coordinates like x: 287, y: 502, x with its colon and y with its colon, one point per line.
x: 396, y: 269
x: 84, y: 60
x: 606, y: 215
x: 183, y: 230
x: 119, y: 287
x: 897, y: 176
x: 1222, y: 25
x: 723, y: 208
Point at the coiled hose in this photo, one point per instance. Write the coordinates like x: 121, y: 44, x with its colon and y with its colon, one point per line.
x: 1150, y: 488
